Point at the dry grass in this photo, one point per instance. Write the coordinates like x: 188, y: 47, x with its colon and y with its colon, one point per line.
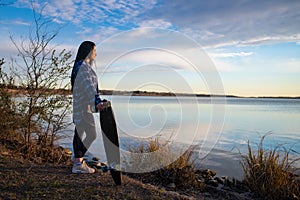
x: 270, y: 173
x: 38, y: 144
x: 181, y: 172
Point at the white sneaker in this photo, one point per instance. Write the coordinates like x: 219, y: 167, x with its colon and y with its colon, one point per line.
x: 82, y: 169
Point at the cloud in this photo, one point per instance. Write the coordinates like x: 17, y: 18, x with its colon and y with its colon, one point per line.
x: 7, y: 49
x: 291, y: 65
x: 222, y: 23
x: 15, y: 22
x: 230, y: 55
x: 211, y: 23
x: 160, y: 23
x: 20, y: 22
x: 111, y: 12
x: 150, y: 46
x: 224, y: 66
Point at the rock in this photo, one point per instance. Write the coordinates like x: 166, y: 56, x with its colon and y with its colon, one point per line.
x: 235, y: 185
x: 209, y: 172
x: 247, y: 195
x: 230, y: 182
x: 67, y: 151
x: 219, y: 180
x: 224, y: 177
x: 206, y: 174
x: 212, y: 173
x: 171, y: 185
x: 207, y: 195
x: 213, y: 183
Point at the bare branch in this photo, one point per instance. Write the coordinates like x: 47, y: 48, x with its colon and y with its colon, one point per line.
x: 45, y: 70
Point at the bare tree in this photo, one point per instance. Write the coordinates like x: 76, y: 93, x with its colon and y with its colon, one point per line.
x: 43, y: 72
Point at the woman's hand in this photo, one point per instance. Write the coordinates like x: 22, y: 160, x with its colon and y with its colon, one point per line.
x: 100, y: 106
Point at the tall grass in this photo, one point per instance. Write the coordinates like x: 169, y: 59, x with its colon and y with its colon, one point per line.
x: 181, y: 172
x: 269, y: 173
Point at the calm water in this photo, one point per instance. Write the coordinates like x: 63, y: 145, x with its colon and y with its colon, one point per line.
x: 220, y: 129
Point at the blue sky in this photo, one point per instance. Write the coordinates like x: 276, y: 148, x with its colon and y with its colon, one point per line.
x: 254, y: 45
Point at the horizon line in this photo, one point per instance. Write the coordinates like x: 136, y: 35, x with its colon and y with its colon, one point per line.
x: 160, y: 93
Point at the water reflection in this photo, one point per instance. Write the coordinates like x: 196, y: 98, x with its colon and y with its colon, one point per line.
x: 188, y: 121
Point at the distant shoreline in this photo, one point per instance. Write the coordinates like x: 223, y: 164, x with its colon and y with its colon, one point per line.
x: 147, y: 93
x: 17, y: 91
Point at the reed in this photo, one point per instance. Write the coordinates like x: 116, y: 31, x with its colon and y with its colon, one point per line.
x: 181, y: 172
x: 270, y: 173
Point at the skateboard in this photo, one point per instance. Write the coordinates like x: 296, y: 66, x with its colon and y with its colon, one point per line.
x: 111, y: 141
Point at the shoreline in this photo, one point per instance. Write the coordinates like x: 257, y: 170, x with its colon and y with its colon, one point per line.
x: 225, y: 163
x: 17, y: 91
x: 20, y: 178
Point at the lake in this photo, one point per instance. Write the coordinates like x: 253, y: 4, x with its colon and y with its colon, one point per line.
x: 220, y: 128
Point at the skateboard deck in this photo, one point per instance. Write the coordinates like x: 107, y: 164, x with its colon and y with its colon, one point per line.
x: 111, y: 142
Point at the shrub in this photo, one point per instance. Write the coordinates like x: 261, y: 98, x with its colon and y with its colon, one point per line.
x: 9, y: 117
x: 270, y: 173
x: 33, y: 122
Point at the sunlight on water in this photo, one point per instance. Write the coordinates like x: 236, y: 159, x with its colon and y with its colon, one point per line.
x: 184, y: 121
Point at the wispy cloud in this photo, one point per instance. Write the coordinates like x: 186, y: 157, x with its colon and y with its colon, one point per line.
x: 15, y: 22
x: 232, y: 22
x: 20, y: 22
x: 113, y: 12
x: 230, y: 55
x: 159, y: 23
x: 101, y: 33
x: 292, y: 65
x: 270, y: 39
x: 238, y: 23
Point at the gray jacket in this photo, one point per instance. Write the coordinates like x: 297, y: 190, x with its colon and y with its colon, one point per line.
x: 84, y: 90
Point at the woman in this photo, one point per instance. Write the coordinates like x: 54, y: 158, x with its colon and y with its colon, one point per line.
x: 86, y: 98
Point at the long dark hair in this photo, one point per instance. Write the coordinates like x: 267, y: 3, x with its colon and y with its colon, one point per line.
x: 83, y: 51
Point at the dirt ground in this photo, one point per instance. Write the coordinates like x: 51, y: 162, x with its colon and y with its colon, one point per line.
x: 21, y: 179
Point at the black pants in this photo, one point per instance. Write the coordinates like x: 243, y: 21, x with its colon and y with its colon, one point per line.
x: 80, y: 144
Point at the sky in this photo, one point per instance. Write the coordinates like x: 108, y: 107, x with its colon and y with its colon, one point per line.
x: 235, y: 47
